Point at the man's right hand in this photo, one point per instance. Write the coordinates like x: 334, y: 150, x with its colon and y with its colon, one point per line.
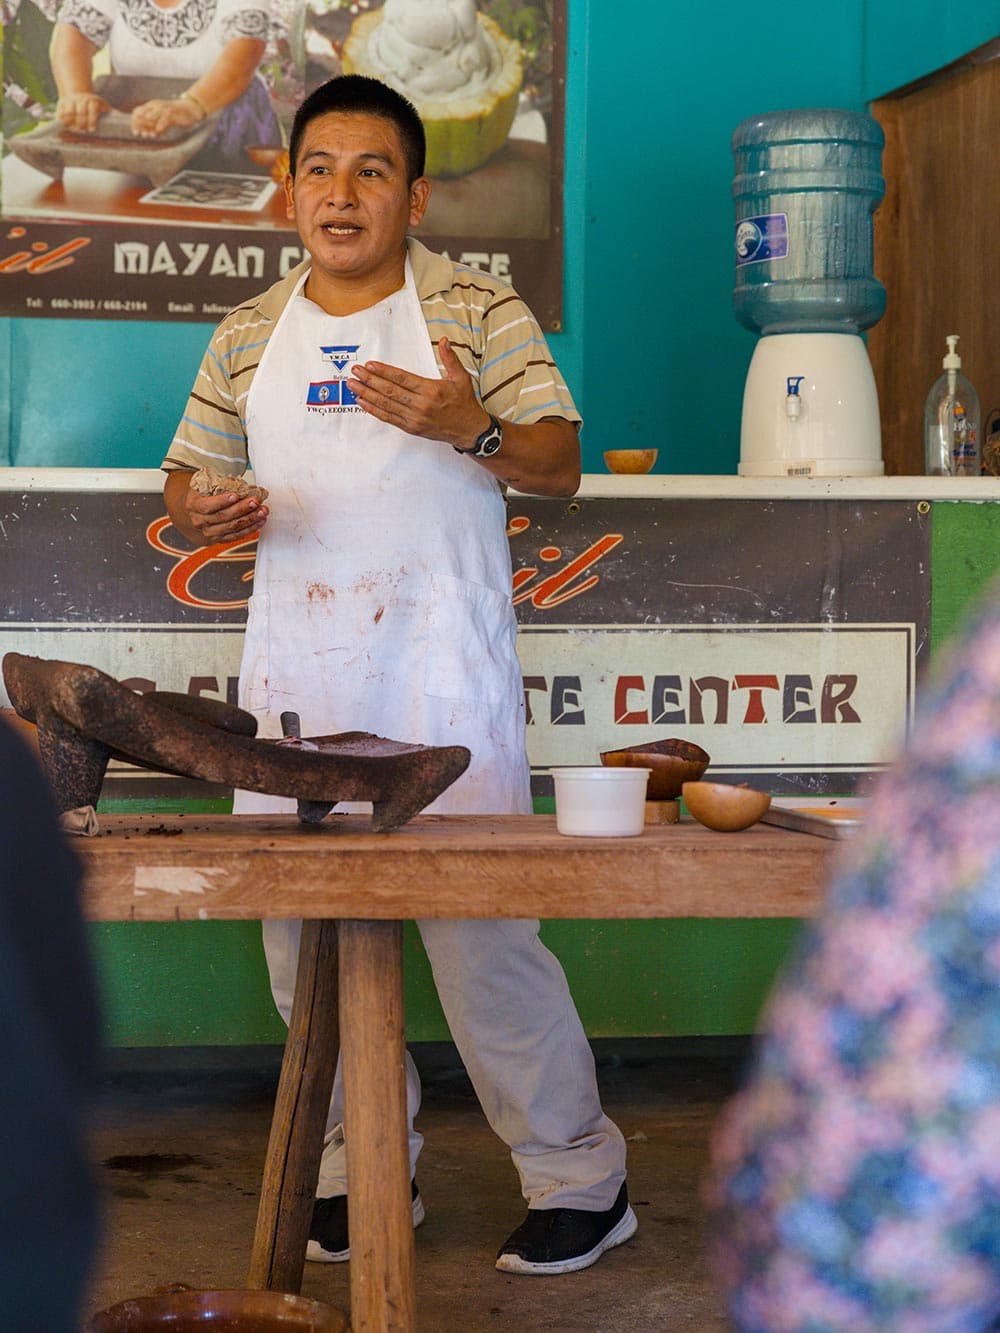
x: 208, y: 520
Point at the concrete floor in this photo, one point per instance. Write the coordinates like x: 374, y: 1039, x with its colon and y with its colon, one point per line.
x: 180, y: 1139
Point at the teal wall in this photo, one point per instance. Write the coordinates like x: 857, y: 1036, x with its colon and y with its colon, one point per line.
x: 901, y: 46
x: 664, y: 360
x: 128, y: 383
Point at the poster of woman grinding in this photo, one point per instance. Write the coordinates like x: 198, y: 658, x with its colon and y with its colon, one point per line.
x: 145, y: 143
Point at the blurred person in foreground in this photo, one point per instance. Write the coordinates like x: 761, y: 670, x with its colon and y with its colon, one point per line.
x: 49, y: 1039
x: 855, y: 1182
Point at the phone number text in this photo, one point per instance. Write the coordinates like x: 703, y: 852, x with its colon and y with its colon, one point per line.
x: 90, y: 303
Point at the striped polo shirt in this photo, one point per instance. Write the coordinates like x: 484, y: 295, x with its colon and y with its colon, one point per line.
x: 492, y: 331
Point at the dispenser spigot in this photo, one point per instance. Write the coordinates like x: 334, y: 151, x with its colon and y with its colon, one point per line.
x: 793, y: 403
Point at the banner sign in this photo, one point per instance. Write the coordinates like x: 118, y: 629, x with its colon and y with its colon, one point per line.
x: 103, y: 223
x: 784, y: 637
x: 759, y: 699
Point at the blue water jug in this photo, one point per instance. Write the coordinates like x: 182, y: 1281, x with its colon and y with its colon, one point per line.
x: 806, y: 187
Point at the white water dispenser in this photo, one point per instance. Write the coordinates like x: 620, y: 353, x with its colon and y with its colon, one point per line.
x: 806, y: 187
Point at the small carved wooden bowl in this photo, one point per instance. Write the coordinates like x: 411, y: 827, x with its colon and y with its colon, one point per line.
x: 672, y: 763
x: 630, y: 460
x: 725, y: 807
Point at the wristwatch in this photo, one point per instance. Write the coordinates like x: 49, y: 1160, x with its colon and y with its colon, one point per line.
x: 488, y: 443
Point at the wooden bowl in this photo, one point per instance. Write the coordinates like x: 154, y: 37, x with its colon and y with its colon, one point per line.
x: 723, y: 806
x: 264, y: 154
x: 186, y: 1310
x: 629, y: 460
x: 672, y: 763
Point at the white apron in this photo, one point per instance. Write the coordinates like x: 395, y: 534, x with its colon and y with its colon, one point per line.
x: 382, y: 589
x: 382, y: 603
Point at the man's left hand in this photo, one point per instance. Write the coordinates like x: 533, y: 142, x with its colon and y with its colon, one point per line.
x: 445, y: 409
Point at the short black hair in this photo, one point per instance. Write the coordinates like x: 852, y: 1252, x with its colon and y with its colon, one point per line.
x: 360, y: 94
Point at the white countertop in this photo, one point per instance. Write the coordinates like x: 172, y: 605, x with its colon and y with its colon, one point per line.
x: 595, y: 485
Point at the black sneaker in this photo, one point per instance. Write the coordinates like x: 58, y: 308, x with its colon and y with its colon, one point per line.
x: 563, y: 1240
x: 328, y: 1242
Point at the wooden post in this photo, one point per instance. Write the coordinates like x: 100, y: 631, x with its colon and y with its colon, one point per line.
x: 291, y: 1167
x: 378, y: 1162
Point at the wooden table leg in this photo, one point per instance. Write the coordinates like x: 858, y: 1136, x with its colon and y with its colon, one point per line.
x: 298, y: 1124
x: 378, y: 1163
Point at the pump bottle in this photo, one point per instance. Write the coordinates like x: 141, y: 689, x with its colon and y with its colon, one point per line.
x: 952, y: 421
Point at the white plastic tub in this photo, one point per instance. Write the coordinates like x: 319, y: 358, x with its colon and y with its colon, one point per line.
x: 600, y: 802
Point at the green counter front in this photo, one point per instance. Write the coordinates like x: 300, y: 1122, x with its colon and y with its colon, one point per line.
x: 784, y: 625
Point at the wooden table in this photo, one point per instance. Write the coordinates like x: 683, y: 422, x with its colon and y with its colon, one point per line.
x: 354, y: 889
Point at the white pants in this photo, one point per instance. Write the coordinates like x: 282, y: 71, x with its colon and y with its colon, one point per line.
x: 514, y: 1022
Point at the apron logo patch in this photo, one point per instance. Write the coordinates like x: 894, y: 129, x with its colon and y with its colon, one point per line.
x: 340, y: 356
x: 333, y: 394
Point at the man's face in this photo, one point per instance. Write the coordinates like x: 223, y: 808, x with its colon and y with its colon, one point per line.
x: 350, y: 199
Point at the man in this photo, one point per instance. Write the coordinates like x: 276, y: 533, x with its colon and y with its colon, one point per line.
x: 382, y: 600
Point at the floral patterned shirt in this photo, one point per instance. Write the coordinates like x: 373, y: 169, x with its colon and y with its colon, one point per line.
x: 855, y: 1182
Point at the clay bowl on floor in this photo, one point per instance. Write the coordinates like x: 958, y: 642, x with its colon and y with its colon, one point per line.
x: 723, y: 806
x: 672, y: 763
x: 629, y: 460
x: 232, y: 1311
